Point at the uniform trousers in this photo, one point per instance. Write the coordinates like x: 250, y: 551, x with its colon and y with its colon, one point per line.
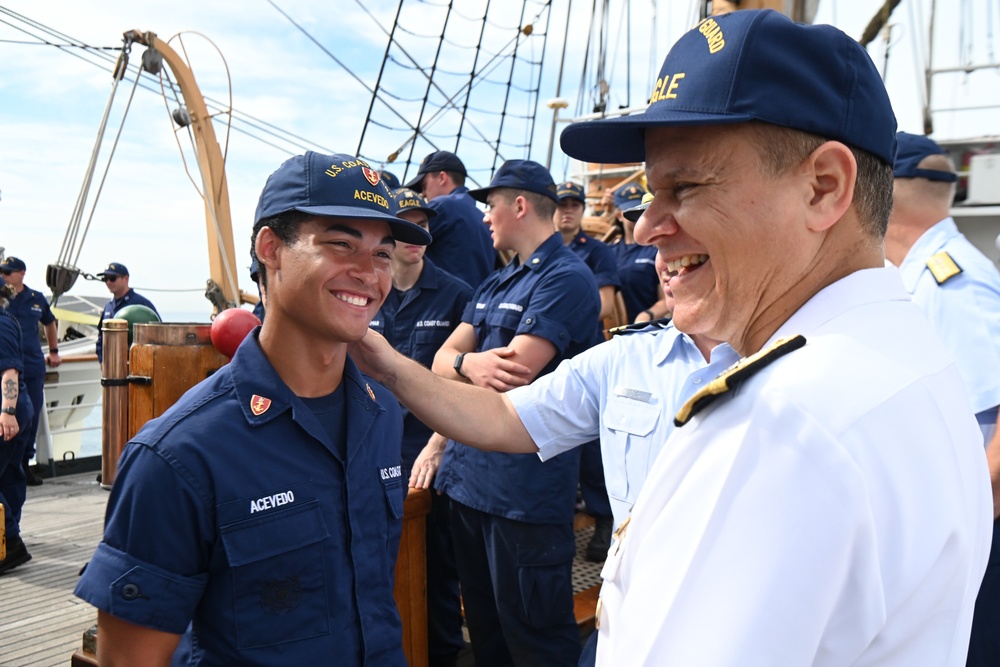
x: 517, y: 587
x: 984, y: 644
x: 13, y: 482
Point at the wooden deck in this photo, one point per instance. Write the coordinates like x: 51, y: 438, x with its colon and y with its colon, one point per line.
x: 42, y: 623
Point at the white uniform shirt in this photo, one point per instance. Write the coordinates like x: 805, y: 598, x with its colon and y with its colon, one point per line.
x: 626, y: 391
x: 964, y: 310
x: 835, y: 510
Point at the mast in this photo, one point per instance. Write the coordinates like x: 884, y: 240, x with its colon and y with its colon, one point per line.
x: 218, y: 220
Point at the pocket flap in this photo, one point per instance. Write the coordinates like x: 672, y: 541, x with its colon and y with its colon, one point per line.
x: 631, y: 416
x: 273, y: 533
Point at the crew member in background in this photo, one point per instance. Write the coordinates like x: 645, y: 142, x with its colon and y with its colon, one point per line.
x: 958, y: 288
x: 259, y: 518
x: 116, y: 277
x: 636, y: 270
x: 15, y: 411
x: 512, y: 515
x: 30, y: 308
x: 462, y: 244
x: 421, y: 310
x: 600, y: 259
x: 258, y: 308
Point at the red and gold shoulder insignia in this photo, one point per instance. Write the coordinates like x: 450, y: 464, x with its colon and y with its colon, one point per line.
x: 259, y: 404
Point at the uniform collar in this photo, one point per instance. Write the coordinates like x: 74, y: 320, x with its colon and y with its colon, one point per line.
x: 930, y: 242
x: 428, y: 276
x: 581, y: 239
x: 541, y: 254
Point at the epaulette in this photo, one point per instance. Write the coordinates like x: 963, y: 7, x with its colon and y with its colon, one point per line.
x: 943, y: 267
x: 651, y: 325
x: 730, y: 379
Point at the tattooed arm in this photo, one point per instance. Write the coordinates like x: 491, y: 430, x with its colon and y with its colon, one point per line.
x: 8, y: 399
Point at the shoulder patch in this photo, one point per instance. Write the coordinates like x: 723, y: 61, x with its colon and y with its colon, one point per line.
x: 730, y: 379
x: 943, y: 267
x: 651, y: 325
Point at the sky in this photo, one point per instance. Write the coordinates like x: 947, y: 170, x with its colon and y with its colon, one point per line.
x: 150, y: 216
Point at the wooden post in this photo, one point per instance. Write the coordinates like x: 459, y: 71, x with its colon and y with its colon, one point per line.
x: 114, y: 404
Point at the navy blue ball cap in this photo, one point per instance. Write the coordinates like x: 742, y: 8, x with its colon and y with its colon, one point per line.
x: 114, y: 269
x: 911, y: 149
x: 520, y: 175
x: 411, y: 200
x: 390, y: 179
x: 633, y: 214
x: 571, y: 190
x: 628, y: 196
x: 754, y: 65
x: 337, y: 186
x: 437, y: 161
x: 12, y: 264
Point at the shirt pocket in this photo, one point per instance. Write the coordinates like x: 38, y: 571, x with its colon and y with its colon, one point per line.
x: 631, y: 424
x: 278, y: 575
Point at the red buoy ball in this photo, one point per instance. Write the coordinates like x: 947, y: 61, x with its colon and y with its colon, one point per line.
x: 230, y: 327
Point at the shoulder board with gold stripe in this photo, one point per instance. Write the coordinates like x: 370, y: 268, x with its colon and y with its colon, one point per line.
x: 651, y: 325
x: 943, y: 267
x: 730, y: 379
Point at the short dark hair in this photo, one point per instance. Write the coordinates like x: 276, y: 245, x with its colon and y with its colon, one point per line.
x: 545, y: 207
x: 285, y: 226
x: 457, y: 177
x: 781, y: 148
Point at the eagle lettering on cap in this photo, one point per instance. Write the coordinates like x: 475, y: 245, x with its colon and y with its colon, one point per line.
x: 259, y: 404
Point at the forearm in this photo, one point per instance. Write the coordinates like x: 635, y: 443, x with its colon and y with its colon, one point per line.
x: 471, y: 415
x: 607, y: 294
x: 52, y: 335
x: 444, y: 363
x: 8, y: 388
x: 993, y: 459
x: 126, y: 644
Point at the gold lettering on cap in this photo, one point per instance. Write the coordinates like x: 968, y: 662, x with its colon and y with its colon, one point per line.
x: 333, y: 170
x: 372, y: 197
x: 713, y: 34
x: 665, y: 88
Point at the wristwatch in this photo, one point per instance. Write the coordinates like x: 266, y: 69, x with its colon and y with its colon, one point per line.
x: 459, y: 358
x: 9, y: 411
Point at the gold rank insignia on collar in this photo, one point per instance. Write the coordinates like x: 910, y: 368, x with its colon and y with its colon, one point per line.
x: 733, y: 377
x: 371, y: 393
x: 943, y: 267
x: 660, y: 323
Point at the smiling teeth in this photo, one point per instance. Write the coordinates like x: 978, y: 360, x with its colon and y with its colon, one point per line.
x: 353, y: 300
x: 675, y: 265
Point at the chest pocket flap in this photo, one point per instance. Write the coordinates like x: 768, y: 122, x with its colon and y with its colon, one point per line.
x: 273, y: 533
x: 630, y: 416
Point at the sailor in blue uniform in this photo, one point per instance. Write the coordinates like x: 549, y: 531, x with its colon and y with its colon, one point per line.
x: 258, y: 308
x: 420, y: 312
x: 462, y: 245
x: 116, y: 277
x: 260, y: 516
x: 16, y: 411
x: 30, y: 308
x: 958, y: 288
x: 512, y: 515
x: 639, y: 284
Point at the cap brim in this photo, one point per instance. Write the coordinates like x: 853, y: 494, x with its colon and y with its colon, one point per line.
x: 481, y: 194
x: 402, y: 230
x: 623, y: 139
x: 415, y: 181
x: 633, y: 214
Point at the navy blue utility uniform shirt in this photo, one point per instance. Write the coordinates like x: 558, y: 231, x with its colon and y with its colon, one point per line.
x: 30, y: 308
x: 552, y: 295
x: 637, y: 272
x: 462, y: 245
x: 235, y: 512
x: 416, y: 323
x: 131, y: 298
x: 598, y: 257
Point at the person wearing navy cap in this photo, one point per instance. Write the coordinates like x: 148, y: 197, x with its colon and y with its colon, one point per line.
x: 258, y: 308
x: 421, y: 310
x: 31, y: 309
x: 390, y: 179
x: 512, y: 515
x: 116, y: 277
x: 636, y: 263
x: 259, y: 518
x: 958, y: 288
x: 826, y: 500
x: 462, y: 245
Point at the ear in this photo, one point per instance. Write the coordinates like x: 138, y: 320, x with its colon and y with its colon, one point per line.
x: 832, y: 172
x: 520, y: 206
x: 267, y: 246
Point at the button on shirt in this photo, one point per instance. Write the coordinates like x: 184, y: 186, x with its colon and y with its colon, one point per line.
x: 637, y: 273
x: 964, y: 310
x: 130, y: 298
x: 30, y: 309
x: 234, y: 511
x: 552, y: 295
x: 834, y: 510
x: 416, y: 323
x: 462, y: 245
x: 626, y: 391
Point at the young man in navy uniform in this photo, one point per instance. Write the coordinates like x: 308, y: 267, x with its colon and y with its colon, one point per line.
x: 423, y: 307
x: 259, y: 518
x: 958, y: 287
x: 512, y: 515
x: 116, y: 277
x: 30, y: 308
x: 461, y: 245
